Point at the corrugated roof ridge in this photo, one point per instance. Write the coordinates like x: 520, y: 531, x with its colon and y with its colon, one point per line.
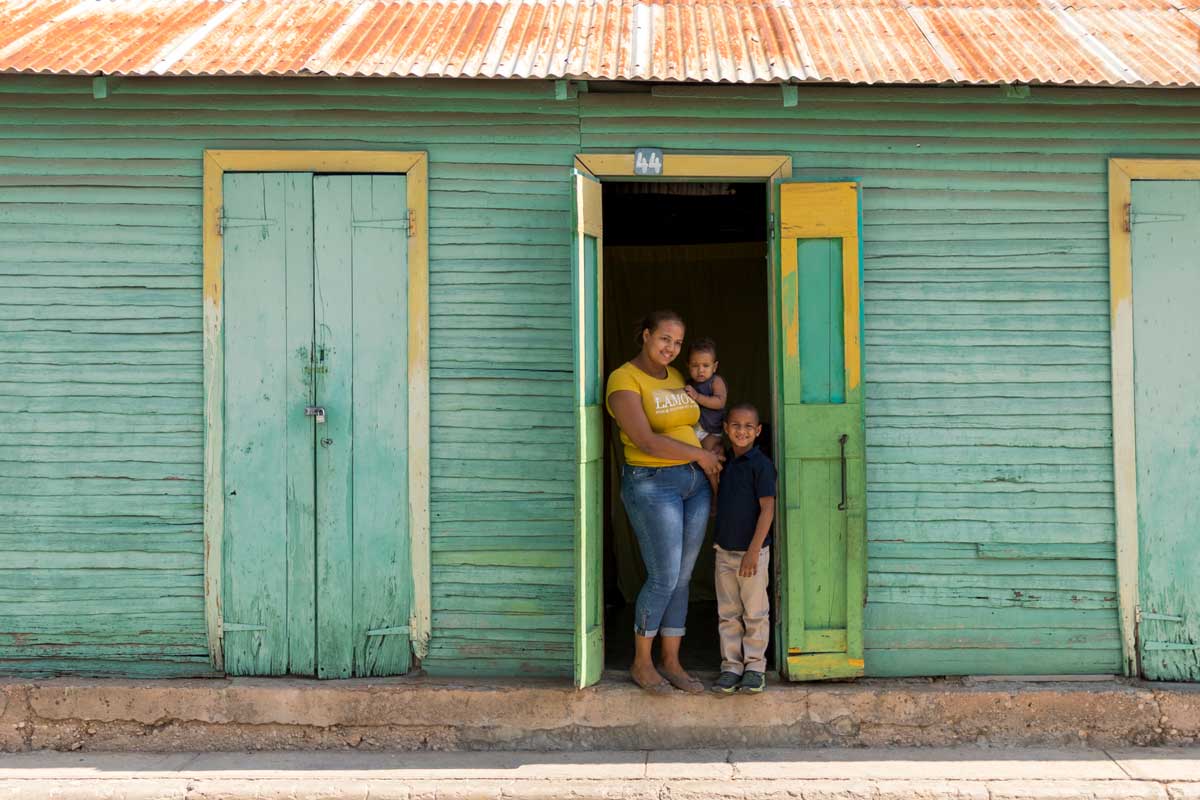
x: 935, y: 41
x: 1092, y: 42
x: 1089, y: 41
x: 184, y: 44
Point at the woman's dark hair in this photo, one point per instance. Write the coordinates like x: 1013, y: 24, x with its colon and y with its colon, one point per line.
x: 651, y: 321
x: 703, y: 345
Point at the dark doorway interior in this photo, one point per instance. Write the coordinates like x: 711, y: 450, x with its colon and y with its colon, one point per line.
x: 700, y: 249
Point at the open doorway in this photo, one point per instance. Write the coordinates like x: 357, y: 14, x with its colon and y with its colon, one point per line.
x: 700, y: 249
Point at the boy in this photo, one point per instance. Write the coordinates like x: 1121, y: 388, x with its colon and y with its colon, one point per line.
x: 744, y: 515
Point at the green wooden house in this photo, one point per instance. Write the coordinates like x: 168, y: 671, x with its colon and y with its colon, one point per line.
x: 306, y: 316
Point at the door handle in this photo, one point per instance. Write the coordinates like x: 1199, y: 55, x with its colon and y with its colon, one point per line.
x: 842, y: 444
x: 319, y: 413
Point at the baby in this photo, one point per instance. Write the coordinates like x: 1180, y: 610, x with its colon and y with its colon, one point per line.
x: 708, y: 389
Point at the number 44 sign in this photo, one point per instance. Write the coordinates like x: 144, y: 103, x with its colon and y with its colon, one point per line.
x: 647, y: 161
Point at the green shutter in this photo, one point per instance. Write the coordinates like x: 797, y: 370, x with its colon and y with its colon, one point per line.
x: 589, y: 500
x: 822, y: 439
x: 1165, y: 223
x: 268, y: 604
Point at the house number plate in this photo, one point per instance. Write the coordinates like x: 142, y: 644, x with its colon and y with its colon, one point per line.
x: 647, y: 161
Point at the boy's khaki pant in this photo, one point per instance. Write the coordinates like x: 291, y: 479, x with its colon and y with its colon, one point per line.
x: 744, y: 612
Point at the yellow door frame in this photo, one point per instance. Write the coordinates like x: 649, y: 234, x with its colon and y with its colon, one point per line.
x: 1121, y: 174
x: 687, y: 166
x: 414, y: 165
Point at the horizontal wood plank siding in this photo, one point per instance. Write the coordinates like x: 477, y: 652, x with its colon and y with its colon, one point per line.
x: 100, y: 308
x: 987, y: 363
x: 989, y: 442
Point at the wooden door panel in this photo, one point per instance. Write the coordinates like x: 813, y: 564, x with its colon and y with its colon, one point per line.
x: 381, y: 554
x: 587, y: 255
x: 333, y: 308
x: 267, y: 603
x: 1165, y: 223
x: 317, y: 558
x: 823, y: 434
x: 363, y: 558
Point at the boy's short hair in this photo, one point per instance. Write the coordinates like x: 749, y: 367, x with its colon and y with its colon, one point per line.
x: 703, y: 345
x: 743, y: 406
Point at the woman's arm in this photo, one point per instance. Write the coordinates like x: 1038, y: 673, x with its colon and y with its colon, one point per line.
x: 627, y: 408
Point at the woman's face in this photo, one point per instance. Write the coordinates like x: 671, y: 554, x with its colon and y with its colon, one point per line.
x: 662, y: 345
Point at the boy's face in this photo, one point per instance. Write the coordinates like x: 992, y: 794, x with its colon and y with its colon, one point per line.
x: 742, y: 428
x: 701, y: 366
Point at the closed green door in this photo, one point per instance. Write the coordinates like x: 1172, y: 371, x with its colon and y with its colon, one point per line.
x: 822, y: 468
x: 317, y: 576
x: 1165, y: 225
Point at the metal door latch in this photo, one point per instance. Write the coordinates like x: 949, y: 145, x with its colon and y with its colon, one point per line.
x: 315, y: 411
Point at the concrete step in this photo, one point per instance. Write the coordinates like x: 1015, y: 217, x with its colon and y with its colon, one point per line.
x: 442, y: 714
x: 771, y: 774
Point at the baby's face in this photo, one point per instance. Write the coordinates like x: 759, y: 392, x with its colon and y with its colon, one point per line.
x: 701, y: 366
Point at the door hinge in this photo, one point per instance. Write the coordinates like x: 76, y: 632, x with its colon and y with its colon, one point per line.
x: 395, y: 630
x: 1127, y: 213
x: 226, y: 627
x: 1139, y: 615
x: 1148, y: 646
x: 771, y: 227
x: 412, y: 222
x: 1133, y: 218
x: 224, y: 221
x: 386, y: 224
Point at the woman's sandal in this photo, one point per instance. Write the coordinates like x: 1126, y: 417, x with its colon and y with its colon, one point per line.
x: 685, y: 683
x: 662, y: 687
x: 659, y: 687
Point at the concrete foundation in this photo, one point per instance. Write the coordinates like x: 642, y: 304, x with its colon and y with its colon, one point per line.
x: 426, y: 714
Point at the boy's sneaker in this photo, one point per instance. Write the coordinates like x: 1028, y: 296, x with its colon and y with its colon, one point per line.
x: 753, y: 682
x: 726, y: 683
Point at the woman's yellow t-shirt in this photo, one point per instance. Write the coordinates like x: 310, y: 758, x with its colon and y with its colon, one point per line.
x: 668, y: 408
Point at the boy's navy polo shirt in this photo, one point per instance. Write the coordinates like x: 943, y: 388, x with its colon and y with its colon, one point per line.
x: 744, y: 480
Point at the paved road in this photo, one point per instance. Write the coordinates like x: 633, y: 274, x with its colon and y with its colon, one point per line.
x: 891, y: 774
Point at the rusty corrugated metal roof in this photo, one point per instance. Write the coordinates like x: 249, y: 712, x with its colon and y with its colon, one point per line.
x: 1090, y: 42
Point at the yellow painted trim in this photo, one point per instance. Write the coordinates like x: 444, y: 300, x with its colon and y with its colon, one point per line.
x: 851, y: 309
x: 415, y: 165
x: 214, y: 421
x: 829, y: 211
x: 681, y: 165
x: 365, y: 161
x: 824, y: 666
x: 767, y: 168
x: 1121, y: 174
x: 419, y: 426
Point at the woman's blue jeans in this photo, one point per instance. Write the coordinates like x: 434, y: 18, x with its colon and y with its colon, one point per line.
x: 668, y: 508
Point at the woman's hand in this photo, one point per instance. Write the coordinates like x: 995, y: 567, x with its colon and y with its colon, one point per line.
x: 710, y: 462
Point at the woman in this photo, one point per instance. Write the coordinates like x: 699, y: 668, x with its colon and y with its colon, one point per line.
x: 666, y: 493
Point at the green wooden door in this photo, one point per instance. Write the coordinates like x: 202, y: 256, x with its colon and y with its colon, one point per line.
x: 1165, y: 225
x: 822, y: 469
x: 317, y: 577
x: 589, y: 491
